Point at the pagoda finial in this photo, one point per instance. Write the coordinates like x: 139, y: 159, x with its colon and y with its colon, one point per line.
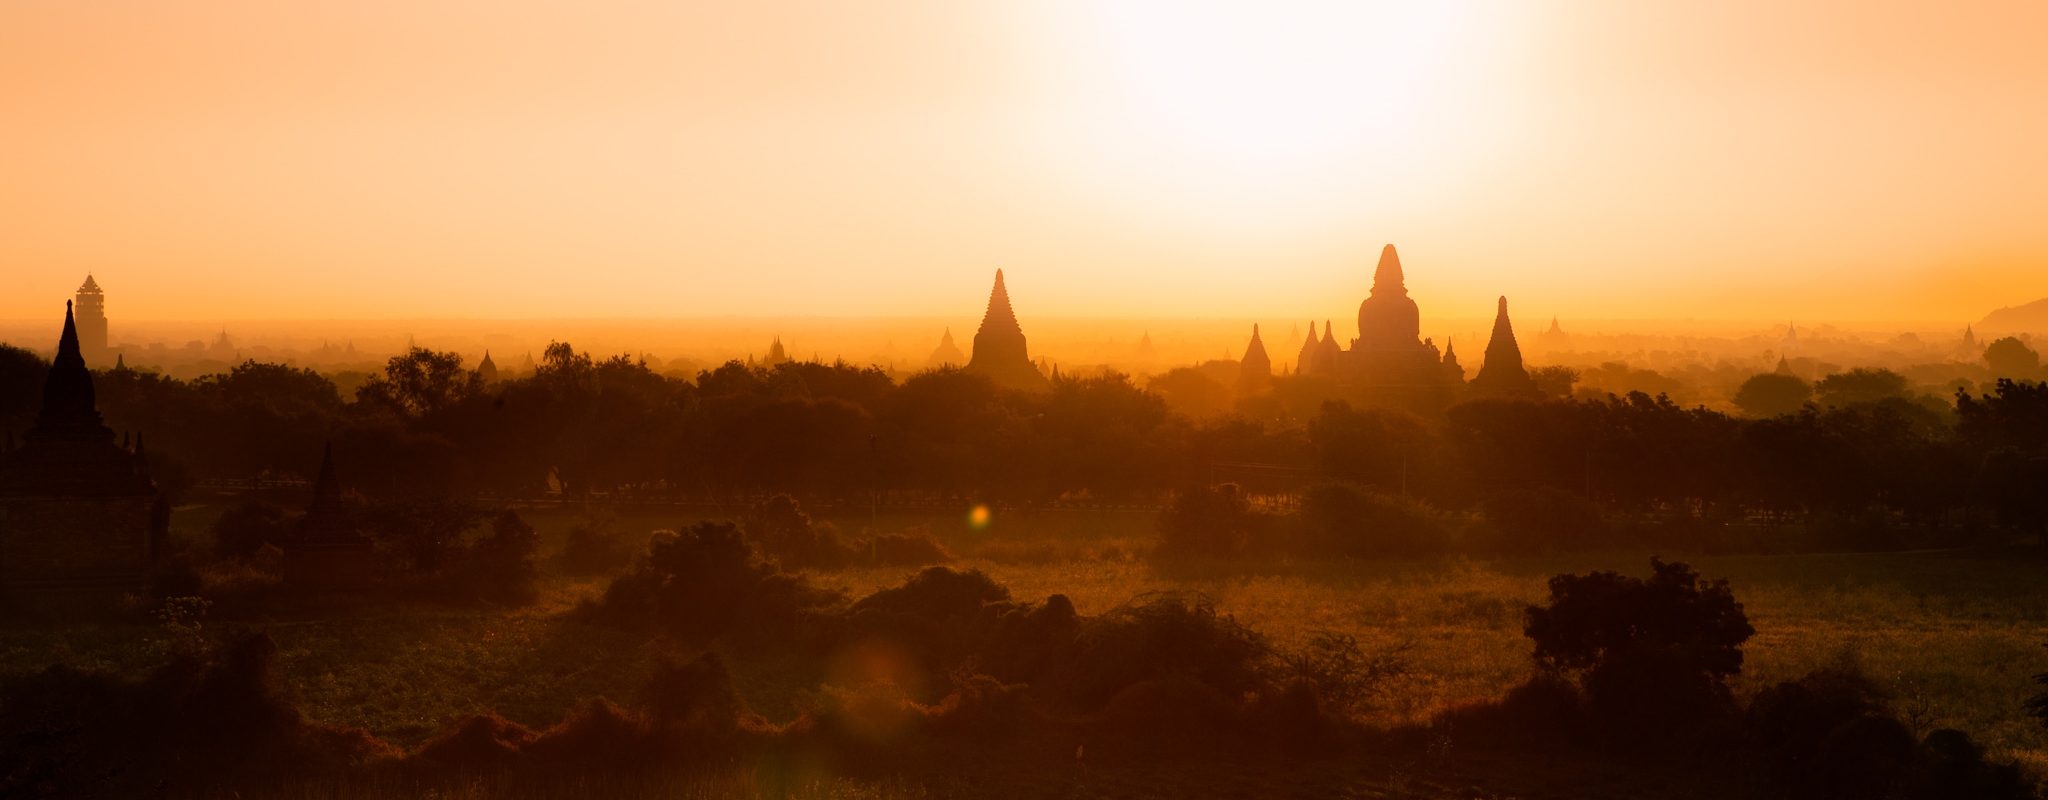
x: 1387, y: 276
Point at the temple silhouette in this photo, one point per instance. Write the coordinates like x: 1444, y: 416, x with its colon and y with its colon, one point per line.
x: 999, y: 351
x: 81, y: 522
x: 947, y: 354
x: 91, y: 311
x: 1391, y: 364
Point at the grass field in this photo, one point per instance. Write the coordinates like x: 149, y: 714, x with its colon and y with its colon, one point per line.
x: 1955, y: 635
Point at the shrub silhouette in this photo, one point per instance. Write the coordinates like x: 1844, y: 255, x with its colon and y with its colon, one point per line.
x: 1592, y: 617
x: 1652, y: 654
x: 705, y: 583
x: 1831, y: 734
x: 499, y: 566
x: 1340, y: 519
x: 1158, y: 636
x: 779, y: 530
x: 1214, y: 521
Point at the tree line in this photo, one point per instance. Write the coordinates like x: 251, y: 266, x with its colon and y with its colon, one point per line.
x: 579, y: 425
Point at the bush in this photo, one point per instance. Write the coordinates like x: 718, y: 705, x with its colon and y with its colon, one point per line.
x: 1215, y: 522
x: 1343, y: 675
x: 1591, y: 618
x: 1542, y: 520
x: 1158, y: 636
x: 1339, y: 519
x: 705, y: 583
x: 780, y: 530
x: 1831, y: 734
x: 1652, y: 655
x: 499, y: 567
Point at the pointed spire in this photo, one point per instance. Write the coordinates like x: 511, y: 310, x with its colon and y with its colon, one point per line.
x: 1256, y: 366
x: 1502, y: 374
x: 1387, y: 276
x: 1305, y: 361
x: 68, y: 401
x: 120, y: 363
x: 1000, y: 351
x: 1323, y: 360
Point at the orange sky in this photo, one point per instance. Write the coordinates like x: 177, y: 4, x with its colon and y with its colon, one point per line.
x: 519, y: 158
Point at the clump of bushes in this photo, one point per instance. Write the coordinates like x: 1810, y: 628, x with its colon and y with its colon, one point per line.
x: 1212, y: 522
x: 1639, y: 665
x: 780, y: 530
x: 498, y: 567
x: 705, y: 583
x: 1340, y: 519
x: 1653, y: 655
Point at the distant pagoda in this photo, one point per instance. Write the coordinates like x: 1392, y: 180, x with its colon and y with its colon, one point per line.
x: 947, y: 354
x: 92, y: 322
x: 1255, y: 370
x: 80, y: 519
x: 999, y: 350
x: 487, y: 370
x: 1503, y: 375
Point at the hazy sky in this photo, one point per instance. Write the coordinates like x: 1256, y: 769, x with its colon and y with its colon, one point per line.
x: 519, y: 158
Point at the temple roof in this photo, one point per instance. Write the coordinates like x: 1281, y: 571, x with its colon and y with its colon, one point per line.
x: 90, y: 285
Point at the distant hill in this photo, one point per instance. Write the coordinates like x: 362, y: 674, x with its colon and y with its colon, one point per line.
x: 2027, y: 318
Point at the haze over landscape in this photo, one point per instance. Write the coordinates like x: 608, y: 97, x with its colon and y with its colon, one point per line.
x: 658, y: 399
x: 1747, y: 161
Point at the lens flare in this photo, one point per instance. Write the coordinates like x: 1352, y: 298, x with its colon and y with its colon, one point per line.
x: 977, y: 517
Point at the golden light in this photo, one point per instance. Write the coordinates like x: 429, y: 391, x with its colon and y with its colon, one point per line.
x: 1262, y: 86
x: 978, y: 517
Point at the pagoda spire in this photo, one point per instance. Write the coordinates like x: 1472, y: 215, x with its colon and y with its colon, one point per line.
x: 68, y: 401
x: 1256, y: 366
x: 1305, y: 362
x: 1503, y: 374
x: 999, y: 347
x: 1387, y: 276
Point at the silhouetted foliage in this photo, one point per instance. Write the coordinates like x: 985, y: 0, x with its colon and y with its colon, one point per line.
x: 1213, y: 521
x: 704, y: 583
x: 1772, y: 395
x: 1344, y: 520
x: 2010, y: 358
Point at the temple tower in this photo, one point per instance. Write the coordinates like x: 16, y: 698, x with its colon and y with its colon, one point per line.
x: 1256, y: 368
x: 91, y: 312
x: 999, y: 350
x: 80, y: 519
x: 1388, y: 319
x: 1502, y: 375
x: 947, y: 354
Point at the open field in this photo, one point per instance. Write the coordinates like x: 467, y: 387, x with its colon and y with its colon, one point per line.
x: 1954, y: 635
